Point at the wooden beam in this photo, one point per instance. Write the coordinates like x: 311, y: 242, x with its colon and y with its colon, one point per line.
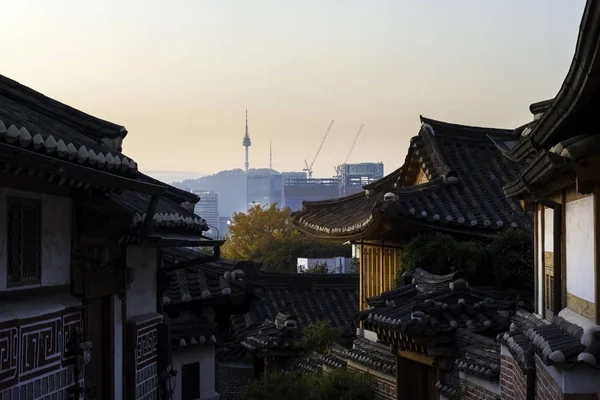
x: 416, y: 357
x: 29, y: 159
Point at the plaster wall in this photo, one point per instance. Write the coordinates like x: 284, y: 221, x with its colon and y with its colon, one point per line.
x: 205, y: 355
x: 579, y: 237
x: 141, y: 296
x: 56, y: 238
x: 548, y: 230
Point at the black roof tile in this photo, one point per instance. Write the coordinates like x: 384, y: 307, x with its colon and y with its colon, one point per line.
x: 466, y: 173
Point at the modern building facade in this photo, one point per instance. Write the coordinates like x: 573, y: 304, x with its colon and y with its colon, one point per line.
x: 352, y: 177
x: 264, y: 187
x: 298, y: 190
x: 208, y: 207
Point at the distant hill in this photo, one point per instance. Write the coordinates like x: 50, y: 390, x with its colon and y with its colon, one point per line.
x: 231, y: 186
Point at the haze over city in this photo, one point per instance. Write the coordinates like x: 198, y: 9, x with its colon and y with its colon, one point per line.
x: 182, y: 73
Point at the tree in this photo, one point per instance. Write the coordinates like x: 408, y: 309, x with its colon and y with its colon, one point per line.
x: 318, y: 337
x: 344, y: 384
x: 506, y: 261
x: 318, y: 268
x: 265, y: 234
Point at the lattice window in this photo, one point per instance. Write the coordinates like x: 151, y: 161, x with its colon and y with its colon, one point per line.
x: 24, y: 240
x: 549, y: 293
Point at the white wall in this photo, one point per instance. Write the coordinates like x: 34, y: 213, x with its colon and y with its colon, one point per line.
x: 141, y: 296
x: 548, y: 230
x: 580, y: 248
x: 334, y: 264
x: 56, y: 238
x: 205, y: 354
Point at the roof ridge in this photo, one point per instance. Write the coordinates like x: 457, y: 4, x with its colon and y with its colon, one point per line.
x: 477, y: 129
x: 60, y: 111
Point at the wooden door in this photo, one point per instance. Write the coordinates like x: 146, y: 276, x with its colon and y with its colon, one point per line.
x: 416, y: 381
x: 98, y: 380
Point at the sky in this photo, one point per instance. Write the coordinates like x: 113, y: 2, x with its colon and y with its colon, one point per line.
x: 180, y: 74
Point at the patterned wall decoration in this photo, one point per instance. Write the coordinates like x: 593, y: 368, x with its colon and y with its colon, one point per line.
x: 385, y: 390
x: 33, y: 357
x: 142, y: 374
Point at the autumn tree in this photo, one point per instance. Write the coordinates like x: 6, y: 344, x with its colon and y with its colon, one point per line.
x: 266, y: 234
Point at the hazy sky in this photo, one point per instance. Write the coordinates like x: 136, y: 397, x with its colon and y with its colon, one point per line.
x: 179, y: 74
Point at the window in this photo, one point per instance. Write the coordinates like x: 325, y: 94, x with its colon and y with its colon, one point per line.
x: 190, y: 381
x: 24, y: 240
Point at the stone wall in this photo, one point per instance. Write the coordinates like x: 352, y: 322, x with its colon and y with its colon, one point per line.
x: 232, y: 379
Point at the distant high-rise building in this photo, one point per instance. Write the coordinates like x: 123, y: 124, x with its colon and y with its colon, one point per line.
x: 264, y: 187
x: 298, y: 188
x: 246, y: 143
x: 352, y: 177
x: 208, y: 208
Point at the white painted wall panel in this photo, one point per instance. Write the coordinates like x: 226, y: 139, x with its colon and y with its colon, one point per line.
x: 540, y: 264
x: 56, y: 238
x: 205, y: 355
x: 141, y: 297
x: 580, y: 248
x: 549, y: 230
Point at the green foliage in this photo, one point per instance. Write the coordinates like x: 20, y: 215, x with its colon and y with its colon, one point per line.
x: 505, y: 261
x: 318, y: 337
x: 264, y: 234
x: 318, y: 268
x: 355, y: 267
x: 342, y: 384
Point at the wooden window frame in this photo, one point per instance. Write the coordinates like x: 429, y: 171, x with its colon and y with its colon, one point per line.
x: 24, y: 246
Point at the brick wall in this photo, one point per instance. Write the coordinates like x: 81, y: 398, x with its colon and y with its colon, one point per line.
x: 232, y: 380
x: 472, y: 391
x: 513, y: 382
x: 546, y: 387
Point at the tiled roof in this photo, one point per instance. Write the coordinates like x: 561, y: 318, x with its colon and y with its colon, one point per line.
x: 32, y: 121
x: 478, y: 355
x: 309, y: 297
x: 465, y: 171
x: 205, y: 281
x: 170, y: 213
x: 272, y: 336
x: 189, y: 330
x: 441, y: 306
x: 558, y: 343
x: 372, y: 354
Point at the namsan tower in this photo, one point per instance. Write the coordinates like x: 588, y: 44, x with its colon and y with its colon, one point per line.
x: 246, y: 143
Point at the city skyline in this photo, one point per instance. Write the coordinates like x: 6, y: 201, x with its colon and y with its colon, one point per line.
x: 184, y: 73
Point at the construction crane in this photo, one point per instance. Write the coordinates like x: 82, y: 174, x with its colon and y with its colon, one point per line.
x: 309, y: 168
x: 353, y: 143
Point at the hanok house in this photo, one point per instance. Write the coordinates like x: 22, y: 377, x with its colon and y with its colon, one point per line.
x: 556, y: 354
x: 264, y: 339
x: 198, y: 301
x: 78, y: 304
x: 451, y: 181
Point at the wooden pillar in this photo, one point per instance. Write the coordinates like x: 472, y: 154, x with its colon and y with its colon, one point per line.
x: 361, y: 292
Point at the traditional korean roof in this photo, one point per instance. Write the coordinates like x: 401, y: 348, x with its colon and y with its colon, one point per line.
x: 464, y: 172
x: 210, y: 282
x: 273, y: 335
x: 189, y: 330
x: 563, y: 134
x: 477, y: 355
x: 558, y: 342
x: 420, y: 310
x: 31, y: 121
x: 170, y: 213
x: 563, y: 117
x: 308, y: 297
x: 372, y: 355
